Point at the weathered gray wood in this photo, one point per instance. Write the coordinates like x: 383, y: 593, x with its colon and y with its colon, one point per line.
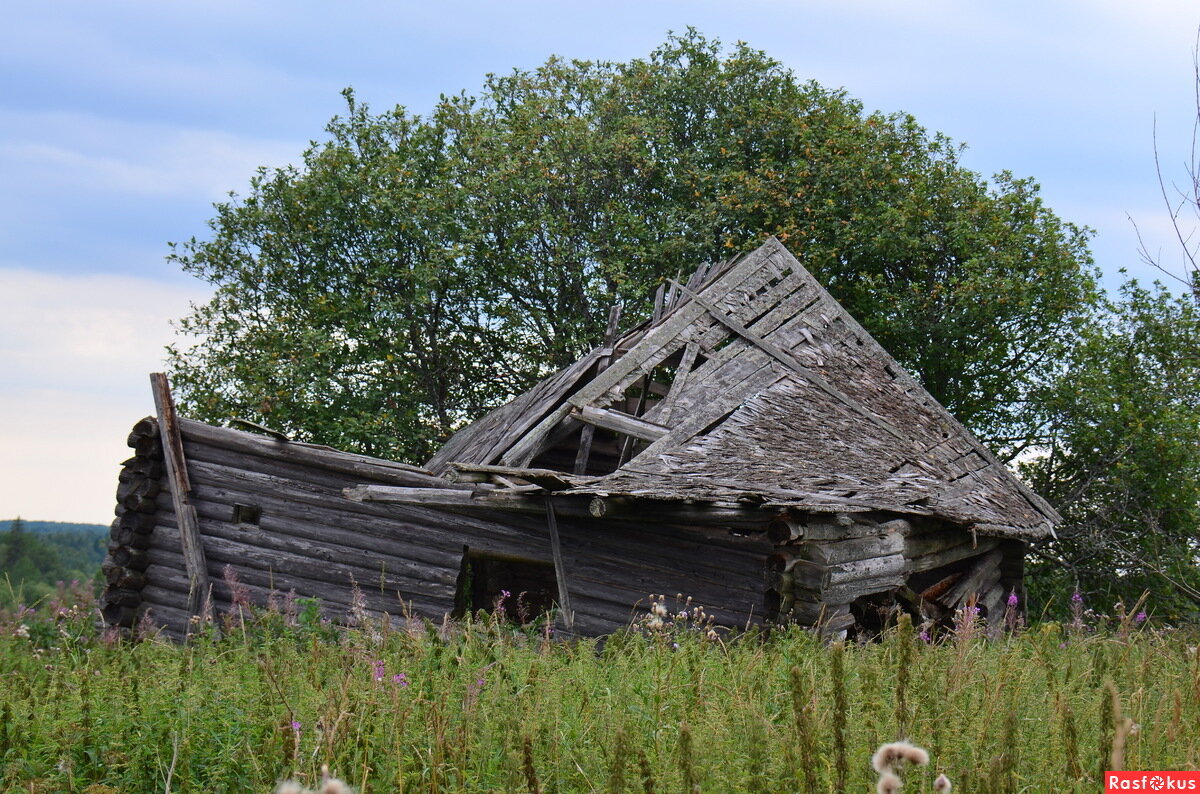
x: 620, y: 422
x: 659, y: 343
x: 792, y: 363
x: 312, y: 457
x: 546, y: 478
x: 701, y: 514
x: 560, y: 569
x: 939, y: 559
x: 873, y: 568
x: 848, y: 591
x: 679, y: 383
x: 970, y: 584
x: 176, y: 466
x: 843, y: 551
x: 610, y: 335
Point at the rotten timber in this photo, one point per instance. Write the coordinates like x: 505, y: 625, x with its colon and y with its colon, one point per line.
x: 177, y: 476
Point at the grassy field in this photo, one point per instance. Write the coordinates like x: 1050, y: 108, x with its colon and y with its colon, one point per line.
x: 480, y: 706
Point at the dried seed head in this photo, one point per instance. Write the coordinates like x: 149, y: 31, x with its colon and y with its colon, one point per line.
x: 289, y: 787
x: 888, y: 784
x: 335, y: 786
x: 890, y: 754
x: 942, y: 784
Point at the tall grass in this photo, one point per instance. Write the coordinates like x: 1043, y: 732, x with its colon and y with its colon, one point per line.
x: 480, y: 706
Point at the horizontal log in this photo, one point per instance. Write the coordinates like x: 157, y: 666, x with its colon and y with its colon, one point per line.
x: 310, y: 456
x: 934, y: 560
x: 314, y: 564
x: 838, y: 552
x: 873, y: 568
x: 410, y: 523
x: 793, y: 530
x: 461, y: 473
x: 274, y: 538
x: 619, y: 422
x: 334, y: 593
x: 691, y: 549
x: 701, y: 514
x: 848, y: 591
x: 933, y: 542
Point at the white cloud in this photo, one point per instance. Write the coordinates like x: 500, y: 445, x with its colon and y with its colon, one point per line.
x: 60, y: 152
x: 74, y: 357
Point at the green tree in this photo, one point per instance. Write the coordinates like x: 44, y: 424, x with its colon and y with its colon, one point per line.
x: 1122, y: 458
x: 415, y: 271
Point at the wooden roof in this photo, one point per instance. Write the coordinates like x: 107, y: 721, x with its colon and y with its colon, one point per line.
x: 753, y: 385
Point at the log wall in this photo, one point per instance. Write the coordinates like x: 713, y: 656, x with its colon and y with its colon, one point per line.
x: 274, y: 514
x: 827, y: 571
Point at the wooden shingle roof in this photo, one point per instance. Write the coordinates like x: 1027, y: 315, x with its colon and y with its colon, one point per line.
x: 774, y: 395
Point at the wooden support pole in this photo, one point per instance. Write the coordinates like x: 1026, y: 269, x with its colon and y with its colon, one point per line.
x: 185, y: 512
x: 560, y: 569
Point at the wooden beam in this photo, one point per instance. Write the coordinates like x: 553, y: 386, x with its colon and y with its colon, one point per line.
x: 185, y: 512
x: 620, y: 422
x: 560, y: 569
x: 481, y: 473
x: 681, y: 379
x: 610, y: 337
x: 675, y: 512
x: 788, y: 360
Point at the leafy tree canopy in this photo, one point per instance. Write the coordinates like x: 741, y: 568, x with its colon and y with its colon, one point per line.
x: 412, y: 271
x: 1122, y: 456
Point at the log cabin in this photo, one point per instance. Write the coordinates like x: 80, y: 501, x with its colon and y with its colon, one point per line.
x: 749, y: 445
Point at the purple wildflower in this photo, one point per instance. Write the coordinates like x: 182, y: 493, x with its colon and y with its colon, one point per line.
x: 1140, y: 617
x: 1012, y: 598
x: 296, y: 726
x: 925, y: 638
x: 400, y: 679
x: 379, y: 669
x: 1076, y: 598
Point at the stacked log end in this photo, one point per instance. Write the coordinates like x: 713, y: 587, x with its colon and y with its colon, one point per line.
x: 138, y: 486
x: 825, y: 571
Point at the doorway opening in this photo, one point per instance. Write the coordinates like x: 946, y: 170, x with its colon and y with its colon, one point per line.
x: 521, y: 588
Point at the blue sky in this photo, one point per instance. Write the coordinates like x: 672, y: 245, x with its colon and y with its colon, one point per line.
x: 121, y: 123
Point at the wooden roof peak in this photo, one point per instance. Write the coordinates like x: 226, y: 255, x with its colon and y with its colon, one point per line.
x: 751, y: 379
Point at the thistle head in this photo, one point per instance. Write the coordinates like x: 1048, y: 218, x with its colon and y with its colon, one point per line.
x: 888, y: 755
x: 942, y: 784
x: 887, y: 784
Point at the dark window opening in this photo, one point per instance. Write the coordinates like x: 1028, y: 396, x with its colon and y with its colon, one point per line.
x: 247, y: 514
x: 521, y: 588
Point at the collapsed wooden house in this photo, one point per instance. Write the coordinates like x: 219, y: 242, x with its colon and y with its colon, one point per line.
x: 750, y: 446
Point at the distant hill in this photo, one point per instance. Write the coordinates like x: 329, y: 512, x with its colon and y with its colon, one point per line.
x: 54, y: 527
x: 41, y: 553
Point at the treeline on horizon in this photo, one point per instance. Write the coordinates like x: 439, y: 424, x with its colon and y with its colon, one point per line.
x: 36, y: 555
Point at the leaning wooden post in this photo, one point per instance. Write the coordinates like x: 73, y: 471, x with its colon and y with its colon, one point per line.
x: 560, y: 570
x: 185, y: 511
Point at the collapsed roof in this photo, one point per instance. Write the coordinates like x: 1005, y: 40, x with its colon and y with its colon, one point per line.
x: 750, y: 386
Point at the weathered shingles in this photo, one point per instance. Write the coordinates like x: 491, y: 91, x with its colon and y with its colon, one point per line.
x: 745, y: 426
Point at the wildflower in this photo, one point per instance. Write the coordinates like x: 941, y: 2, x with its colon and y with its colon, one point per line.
x: 379, y: 669
x: 400, y: 679
x: 1076, y: 598
x: 942, y: 784
x: 296, y: 726
x: 1012, y: 599
x: 888, y: 784
x: 22, y: 631
x: 924, y: 636
x: 1140, y: 617
x: 889, y: 754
